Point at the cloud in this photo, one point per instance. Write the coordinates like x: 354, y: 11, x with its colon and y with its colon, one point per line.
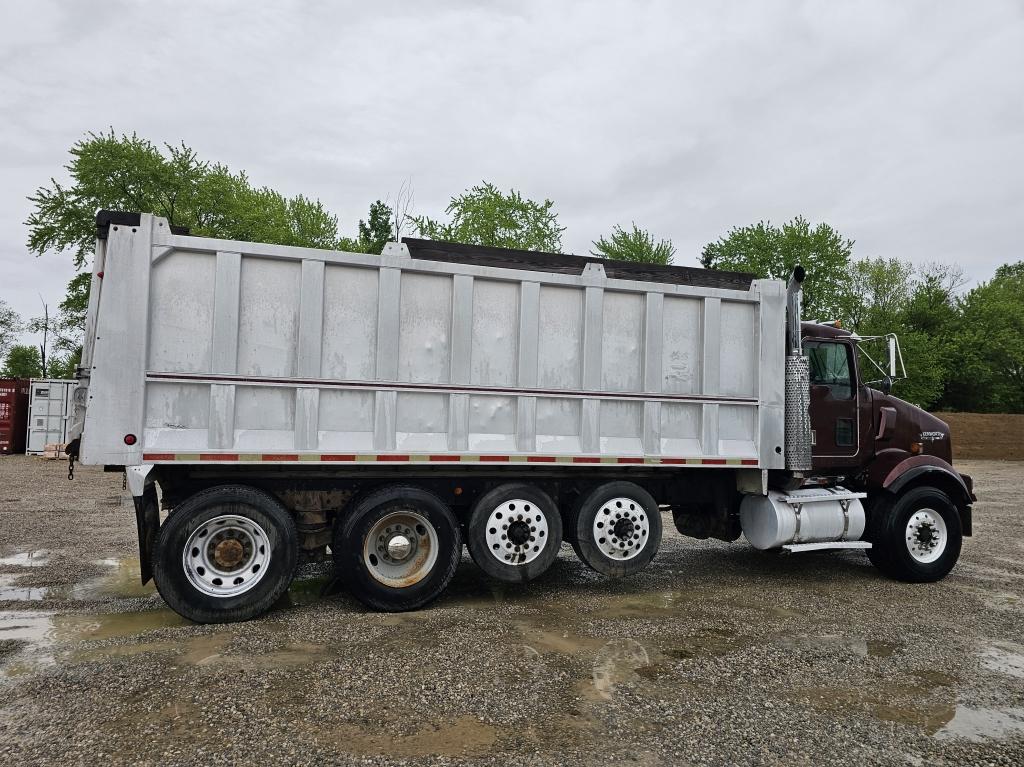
x: 902, y: 125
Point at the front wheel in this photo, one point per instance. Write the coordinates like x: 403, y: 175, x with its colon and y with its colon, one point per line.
x: 226, y: 554
x: 916, y: 537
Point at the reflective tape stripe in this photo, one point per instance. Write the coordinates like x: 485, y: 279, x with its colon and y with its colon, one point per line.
x: 438, y: 458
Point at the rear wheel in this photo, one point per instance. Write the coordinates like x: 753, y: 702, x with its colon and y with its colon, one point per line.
x: 398, y: 548
x: 916, y: 537
x: 616, y: 528
x: 226, y: 554
x: 515, y: 532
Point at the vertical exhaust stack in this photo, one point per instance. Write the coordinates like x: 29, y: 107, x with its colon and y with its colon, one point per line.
x: 798, y: 382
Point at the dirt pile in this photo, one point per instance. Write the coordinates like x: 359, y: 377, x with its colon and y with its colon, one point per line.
x: 993, y: 436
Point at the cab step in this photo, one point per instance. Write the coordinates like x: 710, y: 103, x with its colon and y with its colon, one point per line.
x: 793, y: 548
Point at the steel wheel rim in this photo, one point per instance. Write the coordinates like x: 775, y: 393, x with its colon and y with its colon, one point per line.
x: 621, y: 528
x: 926, y: 535
x: 401, y: 549
x: 517, y: 532
x: 226, y: 556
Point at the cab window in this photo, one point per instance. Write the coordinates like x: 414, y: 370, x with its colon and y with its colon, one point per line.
x: 830, y: 366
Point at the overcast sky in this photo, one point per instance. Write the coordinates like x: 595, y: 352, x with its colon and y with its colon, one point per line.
x: 899, y: 123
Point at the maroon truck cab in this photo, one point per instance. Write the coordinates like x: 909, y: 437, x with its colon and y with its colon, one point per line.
x: 876, y: 442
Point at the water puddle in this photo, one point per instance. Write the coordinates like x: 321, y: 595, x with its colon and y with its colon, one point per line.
x: 197, y: 650
x: 979, y: 724
x: 465, y: 736
x: 27, y: 559
x: 710, y: 644
x: 675, y: 602
x: 989, y: 574
x: 545, y: 640
x: 31, y: 627
x: 211, y: 650
x: 71, y: 628
x: 308, y: 591
x: 49, y: 638
x: 994, y: 600
x: 611, y: 663
x: 900, y: 703
x: 1004, y: 658
x: 864, y: 648
x: 11, y: 592
x: 123, y: 579
x: 617, y: 662
x: 647, y: 604
x: 46, y: 634
x: 34, y: 631
x: 927, y: 702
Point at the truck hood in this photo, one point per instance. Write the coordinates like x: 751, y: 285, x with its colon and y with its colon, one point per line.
x: 898, y: 425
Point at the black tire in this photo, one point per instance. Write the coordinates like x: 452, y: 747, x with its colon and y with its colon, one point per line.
x: 351, y: 531
x: 641, y: 508
x: 888, y: 532
x: 190, y: 516
x: 534, y: 517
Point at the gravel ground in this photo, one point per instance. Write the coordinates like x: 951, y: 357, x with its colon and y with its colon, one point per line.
x: 716, y: 654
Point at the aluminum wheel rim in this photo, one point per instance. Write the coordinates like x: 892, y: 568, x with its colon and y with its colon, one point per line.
x: 621, y: 528
x: 926, y: 535
x: 226, y: 556
x: 401, y: 549
x: 517, y: 532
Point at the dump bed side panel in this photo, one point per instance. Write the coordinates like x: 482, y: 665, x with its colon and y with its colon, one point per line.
x: 211, y: 350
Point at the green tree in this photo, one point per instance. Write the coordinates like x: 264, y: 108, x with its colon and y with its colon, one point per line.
x: 23, y: 361
x: 928, y: 331
x: 70, y: 321
x: 375, y: 232
x: 10, y: 326
x: 770, y: 251
x: 989, y: 353
x: 131, y: 173
x: 635, y: 245
x: 483, y: 215
x: 63, y: 365
x: 879, y: 290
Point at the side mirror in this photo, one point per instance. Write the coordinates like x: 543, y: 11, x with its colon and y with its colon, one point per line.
x: 887, y: 385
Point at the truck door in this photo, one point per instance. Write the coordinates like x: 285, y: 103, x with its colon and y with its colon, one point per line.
x: 834, y: 403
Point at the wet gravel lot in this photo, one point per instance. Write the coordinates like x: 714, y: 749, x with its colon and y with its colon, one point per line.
x: 716, y: 654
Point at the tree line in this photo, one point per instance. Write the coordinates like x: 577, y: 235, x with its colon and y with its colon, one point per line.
x: 964, y: 350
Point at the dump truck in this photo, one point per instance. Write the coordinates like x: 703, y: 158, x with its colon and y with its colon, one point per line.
x: 271, y: 403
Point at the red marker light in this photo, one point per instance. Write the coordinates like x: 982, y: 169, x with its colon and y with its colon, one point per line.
x: 129, y: 439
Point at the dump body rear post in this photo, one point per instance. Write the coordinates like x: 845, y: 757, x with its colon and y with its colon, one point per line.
x: 274, y: 400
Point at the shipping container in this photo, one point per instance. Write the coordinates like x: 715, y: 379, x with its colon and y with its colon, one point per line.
x: 49, y: 413
x: 13, y: 414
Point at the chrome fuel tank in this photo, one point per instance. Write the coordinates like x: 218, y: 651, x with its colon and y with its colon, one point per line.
x: 811, y: 515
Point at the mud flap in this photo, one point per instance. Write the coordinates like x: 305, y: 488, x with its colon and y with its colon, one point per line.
x: 147, y: 519
x: 966, y: 521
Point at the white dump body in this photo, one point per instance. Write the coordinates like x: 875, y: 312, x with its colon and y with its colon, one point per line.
x: 207, y: 350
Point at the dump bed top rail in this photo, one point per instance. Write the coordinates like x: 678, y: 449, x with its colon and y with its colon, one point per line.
x: 559, y: 263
